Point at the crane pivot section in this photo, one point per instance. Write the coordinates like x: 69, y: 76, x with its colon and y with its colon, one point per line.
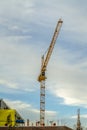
x: 42, y: 77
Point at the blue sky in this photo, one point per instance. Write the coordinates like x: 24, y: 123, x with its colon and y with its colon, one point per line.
x: 26, y: 29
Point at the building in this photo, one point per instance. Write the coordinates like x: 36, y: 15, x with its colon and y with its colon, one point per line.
x: 8, y: 116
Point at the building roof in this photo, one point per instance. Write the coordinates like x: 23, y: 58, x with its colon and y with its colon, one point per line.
x: 3, y: 105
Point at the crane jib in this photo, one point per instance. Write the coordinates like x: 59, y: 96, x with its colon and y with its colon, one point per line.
x: 50, y: 49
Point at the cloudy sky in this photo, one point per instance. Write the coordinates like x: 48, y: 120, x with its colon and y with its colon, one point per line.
x: 26, y: 30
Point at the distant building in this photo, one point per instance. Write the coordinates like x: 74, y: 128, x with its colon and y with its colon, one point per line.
x: 8, y: 116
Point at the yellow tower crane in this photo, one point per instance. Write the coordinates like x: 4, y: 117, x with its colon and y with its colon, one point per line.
x: 42, y: 77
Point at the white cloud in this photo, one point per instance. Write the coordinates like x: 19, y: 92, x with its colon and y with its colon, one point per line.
x: 82, y: 116
x: 28, y: 111
x: 17, y: 104
x: 18, y: 64
x: 16, y: 9
x: 8, y: 84
x: 66, y: 78
x: 26, y: 11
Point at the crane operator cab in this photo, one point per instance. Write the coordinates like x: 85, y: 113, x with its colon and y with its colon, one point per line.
x: 42, y: 76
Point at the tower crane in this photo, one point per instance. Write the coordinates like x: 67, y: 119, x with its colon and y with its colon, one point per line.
x: 42, y: 77
x: 78, y: 121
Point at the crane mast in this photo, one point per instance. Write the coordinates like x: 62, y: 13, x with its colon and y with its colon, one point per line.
x: 42, y: 77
